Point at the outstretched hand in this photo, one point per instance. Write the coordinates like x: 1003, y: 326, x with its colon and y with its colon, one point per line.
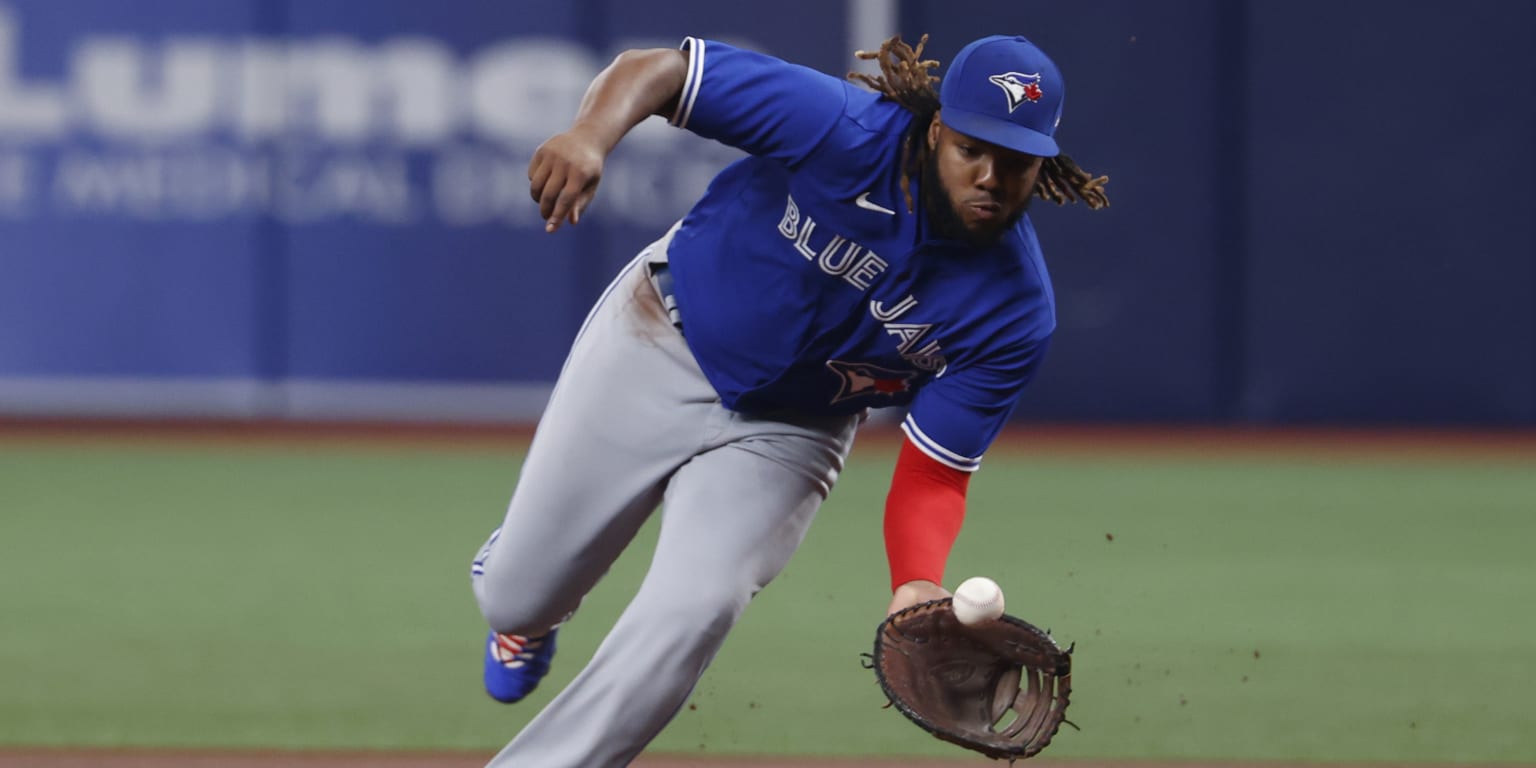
x: 563, y: 176
x: 914, y: 592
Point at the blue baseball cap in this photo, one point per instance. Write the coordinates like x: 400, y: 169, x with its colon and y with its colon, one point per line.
x: 1004, y: 90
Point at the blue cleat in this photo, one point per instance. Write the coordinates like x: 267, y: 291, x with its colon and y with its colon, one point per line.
x: 515, y: 664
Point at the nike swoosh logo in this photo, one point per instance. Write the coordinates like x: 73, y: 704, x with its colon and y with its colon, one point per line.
x: 862, y: 201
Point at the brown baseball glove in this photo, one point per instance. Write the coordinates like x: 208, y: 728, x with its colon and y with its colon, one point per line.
x: 961, y: 683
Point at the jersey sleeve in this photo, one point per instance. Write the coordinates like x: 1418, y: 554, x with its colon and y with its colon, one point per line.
x: 757, y: 103
x: 957, y: 416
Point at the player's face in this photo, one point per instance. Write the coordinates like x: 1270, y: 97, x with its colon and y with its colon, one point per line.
x: 987, y: 187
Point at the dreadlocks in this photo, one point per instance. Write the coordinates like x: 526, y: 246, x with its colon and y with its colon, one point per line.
x: 906, y: 79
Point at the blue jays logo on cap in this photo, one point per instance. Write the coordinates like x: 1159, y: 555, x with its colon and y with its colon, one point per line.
x: 1025, y: 119
x: 1019, y: 87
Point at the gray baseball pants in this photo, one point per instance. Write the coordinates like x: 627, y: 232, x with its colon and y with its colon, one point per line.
x: 633, y: 424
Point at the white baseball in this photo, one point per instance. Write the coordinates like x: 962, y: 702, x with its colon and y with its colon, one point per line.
x: 978, y: 599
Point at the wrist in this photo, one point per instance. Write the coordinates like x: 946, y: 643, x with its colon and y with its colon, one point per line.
x: 597, y: 133
x: 913, y: 592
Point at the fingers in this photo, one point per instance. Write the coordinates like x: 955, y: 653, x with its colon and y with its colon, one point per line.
x: 547, y: 177
x: 539, y: 169
x: 572, y: 215
x: 563, y: 194
x: 548, y: 196
x: 573, y: 197
x: 563, y: 177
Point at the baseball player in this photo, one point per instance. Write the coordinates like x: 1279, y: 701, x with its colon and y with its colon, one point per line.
x: 871, y: 251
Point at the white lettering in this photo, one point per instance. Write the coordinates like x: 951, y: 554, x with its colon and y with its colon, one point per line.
x: 343, y: 92
x: 879, y: 312
x: 329, y: 87
x: 856, y: 265
x: 261, y: 82
x: 412, y: 90
x: 28, y: 110
x: 868, y: 268
x: 90, y: 182
x: 471, y: 186
x: 909, y: 333
x: 929, y: 358
x: 216, y: 181
x: 195, y: 184
x: 791, y: 220
x: 802, y: 239
x: 825, y: 260
x: 146, y: 186
x: 418, y: 75
x: 833, y: 267
x: 528, y: 91
x: 128, y: 95
x: 307, y: 129
x: 212, y: 181
x: 374, y: 188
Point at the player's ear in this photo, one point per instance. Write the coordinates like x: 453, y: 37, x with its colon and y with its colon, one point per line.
x: 933, y: 131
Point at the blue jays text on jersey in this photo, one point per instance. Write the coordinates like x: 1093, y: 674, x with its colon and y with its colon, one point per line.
x: 805, y: 284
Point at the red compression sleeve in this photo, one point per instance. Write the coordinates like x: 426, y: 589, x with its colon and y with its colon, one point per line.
x: 923, y: 513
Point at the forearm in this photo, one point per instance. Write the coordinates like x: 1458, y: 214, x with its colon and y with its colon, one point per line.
x: 923, y: 514
x: 638, y: 84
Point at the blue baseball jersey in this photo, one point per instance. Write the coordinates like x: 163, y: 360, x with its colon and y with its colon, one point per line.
x: 804, y: 283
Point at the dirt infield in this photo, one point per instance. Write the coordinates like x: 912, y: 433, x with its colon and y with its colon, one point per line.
x: 1313, y: 442
x: 63, y: 758
x: 150, y: 759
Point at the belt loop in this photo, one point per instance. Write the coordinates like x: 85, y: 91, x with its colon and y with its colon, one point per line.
x: 661, y: 279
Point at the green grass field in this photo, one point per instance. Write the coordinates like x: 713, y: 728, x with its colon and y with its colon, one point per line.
x: 1332, y: 608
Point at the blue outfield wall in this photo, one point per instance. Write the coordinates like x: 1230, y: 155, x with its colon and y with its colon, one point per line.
x: 1393, y: 273
x: 1321, y: 212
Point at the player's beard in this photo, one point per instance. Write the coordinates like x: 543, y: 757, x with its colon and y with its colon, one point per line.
x: 944, y: 219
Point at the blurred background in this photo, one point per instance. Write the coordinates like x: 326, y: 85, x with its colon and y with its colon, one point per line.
x: 256, y: 208
x: 276, y: 311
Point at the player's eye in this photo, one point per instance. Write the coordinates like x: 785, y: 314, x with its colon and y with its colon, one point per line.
x: 1014, y: 168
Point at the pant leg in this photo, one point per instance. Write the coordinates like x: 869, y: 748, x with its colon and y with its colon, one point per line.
x: 733, y: 516
x: 629, y: 408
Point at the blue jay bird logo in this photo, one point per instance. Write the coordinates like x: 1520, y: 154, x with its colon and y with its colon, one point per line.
x: 1019, y: 87
x: 856, y: 379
